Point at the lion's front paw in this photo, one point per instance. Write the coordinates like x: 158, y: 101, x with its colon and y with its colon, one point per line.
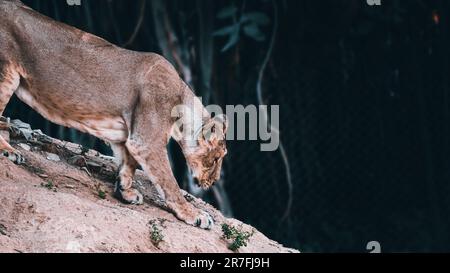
x: 195, y: 217
x: 131, y: 196
x: 14, y: 156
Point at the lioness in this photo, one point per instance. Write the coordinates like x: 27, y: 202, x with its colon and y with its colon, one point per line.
x: 126, y: 98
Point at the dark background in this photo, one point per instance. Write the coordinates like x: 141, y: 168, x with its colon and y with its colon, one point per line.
x: 364, y: 99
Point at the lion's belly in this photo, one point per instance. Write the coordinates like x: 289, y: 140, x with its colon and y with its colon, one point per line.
x: 112, y: 129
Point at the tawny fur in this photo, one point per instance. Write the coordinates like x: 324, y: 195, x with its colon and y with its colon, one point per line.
x: 126, y: 98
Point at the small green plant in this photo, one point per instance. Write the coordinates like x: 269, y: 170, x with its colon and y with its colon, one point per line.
x: 156, y: 235
x: 49, y: 185
x: 249, y: 24
x: 239, y: 237
x: 101, y: 194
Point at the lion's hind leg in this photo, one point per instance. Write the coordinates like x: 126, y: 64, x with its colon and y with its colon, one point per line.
x: 127, y: 169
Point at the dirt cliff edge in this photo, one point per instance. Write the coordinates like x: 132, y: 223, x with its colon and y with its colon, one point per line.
x: 60, y: 200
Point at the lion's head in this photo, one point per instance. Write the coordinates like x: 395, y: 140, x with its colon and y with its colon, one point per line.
x: 205, y: 159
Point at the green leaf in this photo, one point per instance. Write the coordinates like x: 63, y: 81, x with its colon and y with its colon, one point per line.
x: 254, y: 32
x: 256, y: 17
x: 225, y: 31
x: 227, y: 12
x: 234, y: 38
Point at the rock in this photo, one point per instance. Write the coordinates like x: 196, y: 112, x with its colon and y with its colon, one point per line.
x: 27, y: 134
x: 24, y: 146
x: 74, y: 148
x: 21, y: 125
x: 94, y: 166
x: 77, y: 160
x: 52, y: 157
x: 86, y: 171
